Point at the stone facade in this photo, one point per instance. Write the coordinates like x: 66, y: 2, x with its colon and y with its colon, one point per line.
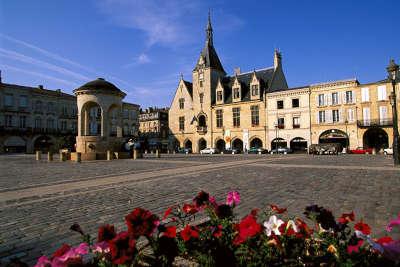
x: 153, y: 129
x: 34, y: 118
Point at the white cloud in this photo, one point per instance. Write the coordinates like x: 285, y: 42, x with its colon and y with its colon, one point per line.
x: 143, y: 59
x: 160, y: 20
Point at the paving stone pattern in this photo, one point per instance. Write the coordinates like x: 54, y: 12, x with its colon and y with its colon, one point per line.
x: 36, y: 209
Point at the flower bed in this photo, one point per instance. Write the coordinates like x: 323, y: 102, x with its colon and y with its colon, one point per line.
x: 267, y: 237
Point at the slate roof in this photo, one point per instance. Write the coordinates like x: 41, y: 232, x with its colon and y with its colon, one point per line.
x: 189, y: 87
x: 35, y: 90
x: 211, y: 58
x: 101, y: 85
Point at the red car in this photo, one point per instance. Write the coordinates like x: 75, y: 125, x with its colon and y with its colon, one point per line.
x: 361, y: 150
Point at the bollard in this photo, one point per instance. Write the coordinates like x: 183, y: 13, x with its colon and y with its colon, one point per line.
x: 158, y: 155
x: 168, y: 152
x: 174, y: 152
x: 49, y: 156
x: 259, y: 152
x: 62, y: 156
x: 135, y: 154
x: 78, y: 157
x: 109, y: 155
x: 38, y: 155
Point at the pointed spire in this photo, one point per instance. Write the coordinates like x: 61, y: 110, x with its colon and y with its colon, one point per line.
x: 209, y: 30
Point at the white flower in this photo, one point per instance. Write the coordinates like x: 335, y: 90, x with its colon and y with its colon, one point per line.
x: 273, y: 225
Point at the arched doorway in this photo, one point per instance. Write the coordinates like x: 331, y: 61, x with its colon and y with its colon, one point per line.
x: 43, y: 143
x: 14, y: 144
x: 220, y: 145
x: 91, y: 119
x: 334, y: 136
x: 237, y: 144
x: 298, y: 144
x: 278, y: 142
x: 188, y: 144
x: 202, y: 144
x: 202, y: 120
x: 256, y: 142
x: 375, y: 138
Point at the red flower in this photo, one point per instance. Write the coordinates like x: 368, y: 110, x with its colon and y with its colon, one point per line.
x: 61, y: 251
x: 277, y: 209
x: 106, y: 233
x: 141, y: 222
x: 201, y: 199
x: 354, y: 248
x: 189, y: 209
x: 170, y: 232
x: 254, y: 212
x: 363, y: 228
x: 346, y: 218
x: 189, y: 232
x: 289, y: 231
x: 247, y: 228
x: 167, y: 212
x: 384, y: 240
x: 303, y: 229
x: 122, y: 248
x: 217, y: 231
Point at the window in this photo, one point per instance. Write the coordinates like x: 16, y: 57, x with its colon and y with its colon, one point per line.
x: 201, y: 83
x: 335, y: 98
x: 73, y: 126
x: 201, y: 96
x: 22, y: 122
x: 219, y: 118
x: 254, y: 90
x: 236, y: 117
x: 350, y: 115
x: 50, y: 124
x: 236, y: 93
x: 38, y: 123
x: 126, y: 113
x: 8, y: 100
x: 382, y: 114
x: 335, y: 115
x: 349, y: 97
x: 65, y: 110
x: 181, y: 123
x: 23, y: 101
x: 255, y: 121
x: 74, y: 112
x: 219, y: 95
x: 281, y: 123
x: 381, y: 92
x: 296, y: 122
x: 321, y: 116
x: 366, y: 116
x: 38, y: 106
x: 365, y: 94
x: 63, y: 125
x: 50, y: 107
x: 321, y: 100
x: 9, y: 121
x: 295, y: 103
x: 181, y: 103
x: 279, y: 104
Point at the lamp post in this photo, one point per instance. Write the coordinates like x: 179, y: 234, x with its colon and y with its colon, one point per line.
x: 348, y: 139
x: 392, y: 70
x: 276, y: 136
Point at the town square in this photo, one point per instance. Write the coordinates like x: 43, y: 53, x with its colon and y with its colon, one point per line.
x: 180, y: 134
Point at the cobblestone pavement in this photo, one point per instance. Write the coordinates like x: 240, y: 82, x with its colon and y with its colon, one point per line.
x: 40, y: 200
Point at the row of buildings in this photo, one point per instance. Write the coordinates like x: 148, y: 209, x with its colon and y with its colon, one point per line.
x: 35, y: 118
x: 258, y: 109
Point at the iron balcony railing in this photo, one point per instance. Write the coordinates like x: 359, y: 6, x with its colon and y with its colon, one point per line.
x: 375, y: 123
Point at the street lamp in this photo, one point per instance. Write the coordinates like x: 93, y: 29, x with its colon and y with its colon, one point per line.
x: 348, y: 139
x: 276, y: 136
x: 392, y: 70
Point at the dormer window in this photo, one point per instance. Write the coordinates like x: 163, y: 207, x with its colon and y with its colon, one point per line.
x: 236, y: 93
x: 219, y: 96
x: 254, y: 90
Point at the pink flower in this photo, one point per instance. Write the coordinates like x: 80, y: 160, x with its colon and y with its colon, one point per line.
x: 233, y: 198
x: 43, y: 262
x: 101, y: 247
x: 72, y: 256
x: 395, y: 222
x: 392, y: 250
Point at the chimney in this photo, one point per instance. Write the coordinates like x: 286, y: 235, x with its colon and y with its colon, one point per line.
x: 236, y: 71
x: 40, y: 86
x: 277, y: 59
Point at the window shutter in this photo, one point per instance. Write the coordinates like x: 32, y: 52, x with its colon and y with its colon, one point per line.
x: 325, y: 99
x: 328, y: 116
x: 343, y: 96
x: 316, y: 101
x: 329, y: 97
x: 354, y: 96
x: 339, y: 98
x: 341, y: 115
x: 317, y: 117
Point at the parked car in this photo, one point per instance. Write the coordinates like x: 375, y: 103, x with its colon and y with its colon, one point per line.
x: 231, y: 151
x: 184, y: 150
x: 388, y: 151
x: 361, y: 150
x: 257, y: 150
x: 325, y: 149
x: 281, y: 150
x: 208, y: 150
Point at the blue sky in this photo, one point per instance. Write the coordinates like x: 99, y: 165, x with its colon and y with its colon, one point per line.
x: 144, y: 46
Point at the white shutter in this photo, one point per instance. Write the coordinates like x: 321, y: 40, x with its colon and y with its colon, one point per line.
x: 339, y: 98
x: 354, y: 96
x: 343, y: 96
x: 382, y: 92
x: 350, y: 115
x: 329, y: 97
x: 382, y: 114
x: 366, y: 116
x: 317, y: 117
x: 341, y: 115
x: 328, y: 114
x: 316, y: 101
x: 325, y: 99
x: 365, y: 94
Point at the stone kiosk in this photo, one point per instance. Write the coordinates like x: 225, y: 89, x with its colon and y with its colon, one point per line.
x: 99, y: 120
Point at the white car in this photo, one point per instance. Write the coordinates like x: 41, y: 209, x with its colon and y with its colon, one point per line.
x: 388, y: 151
x: 208, y: 150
